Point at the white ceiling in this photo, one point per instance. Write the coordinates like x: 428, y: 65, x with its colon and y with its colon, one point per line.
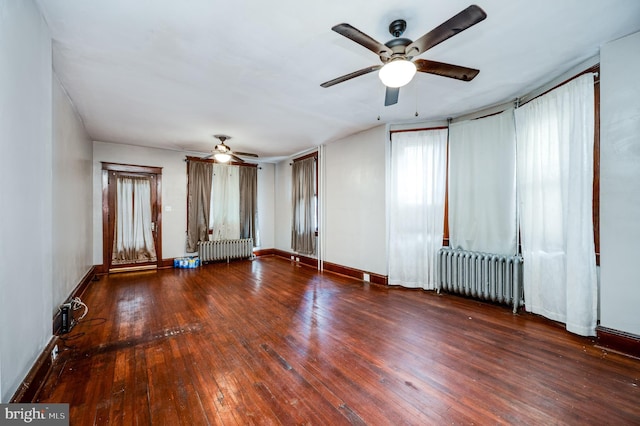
x: 169, y: 74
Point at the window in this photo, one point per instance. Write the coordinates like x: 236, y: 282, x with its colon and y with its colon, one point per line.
x: 596, y: 167
x: 305, y: 204
x: 224, y: 212
x: 416, y: 206
x: 222, y: 202
x: 596, y: 152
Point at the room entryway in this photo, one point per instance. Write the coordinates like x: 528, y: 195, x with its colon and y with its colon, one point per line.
x: 131, y: 217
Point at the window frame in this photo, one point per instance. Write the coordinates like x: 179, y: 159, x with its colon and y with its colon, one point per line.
x: 313, y: 154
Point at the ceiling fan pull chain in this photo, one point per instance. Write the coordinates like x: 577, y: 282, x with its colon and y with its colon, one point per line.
x: 383, y: 90
x: 416, y: 93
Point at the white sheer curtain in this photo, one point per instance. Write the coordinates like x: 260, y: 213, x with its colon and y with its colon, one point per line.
x: 416, y: 206
x: 555, y: 175
x: 133, y: 242
x: 482, y: 184
x: 225, y: 202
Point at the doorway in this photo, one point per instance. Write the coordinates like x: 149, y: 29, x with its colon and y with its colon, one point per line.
x: 131, y: 217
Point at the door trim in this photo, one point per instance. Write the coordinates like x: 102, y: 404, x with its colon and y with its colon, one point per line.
x: 107, y: 232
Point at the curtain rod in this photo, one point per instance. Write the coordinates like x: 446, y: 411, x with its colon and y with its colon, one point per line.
x: 586, y: 66
x: 595, y: 70
x: 313, y: 154
x: 418, y: 129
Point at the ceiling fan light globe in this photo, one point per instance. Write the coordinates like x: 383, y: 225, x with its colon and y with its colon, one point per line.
x: 222, y: 157
x: 397, y: 73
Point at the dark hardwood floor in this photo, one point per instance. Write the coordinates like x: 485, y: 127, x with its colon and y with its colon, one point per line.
x: 270, y: 342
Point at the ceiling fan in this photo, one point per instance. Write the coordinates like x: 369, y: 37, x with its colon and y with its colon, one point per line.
x: 397, y: 69
x: 223, y: 154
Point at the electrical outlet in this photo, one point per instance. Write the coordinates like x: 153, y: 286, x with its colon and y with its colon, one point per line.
x: 54, y: 353
x: 297, y: 259
x: 366, y: 277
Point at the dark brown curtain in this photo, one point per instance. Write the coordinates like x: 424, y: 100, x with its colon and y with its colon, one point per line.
x: 303, y: 227
x: 199, y: 203
x: 248, y: 204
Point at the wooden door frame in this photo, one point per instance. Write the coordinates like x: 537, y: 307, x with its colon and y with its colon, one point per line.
x: 107, y: 231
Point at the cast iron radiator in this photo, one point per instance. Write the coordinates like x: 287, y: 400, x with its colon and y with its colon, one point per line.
x: 484, y: 276
x: 225, y: 249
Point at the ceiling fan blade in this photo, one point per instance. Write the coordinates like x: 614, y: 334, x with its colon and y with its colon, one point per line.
x: 351, y: 75
x: 236, y: 158
x: 362, y: 39
x: 391, y: 96
x: 246, y: 154
x: 446, y: 70
x: 458, y: 23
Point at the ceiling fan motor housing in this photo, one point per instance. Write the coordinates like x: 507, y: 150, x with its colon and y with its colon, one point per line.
x: 221, y: 147
x: 398, y: 47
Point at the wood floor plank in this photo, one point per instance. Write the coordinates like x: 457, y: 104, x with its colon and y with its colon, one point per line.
x: 272, y: 342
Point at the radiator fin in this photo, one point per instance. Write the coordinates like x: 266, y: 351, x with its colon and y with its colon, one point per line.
x: 225, y: 249
x: 484, y: 276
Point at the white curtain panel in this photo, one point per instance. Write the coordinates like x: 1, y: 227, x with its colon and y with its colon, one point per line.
x: 555, y: 176
x: 416, y: 206
x: 225, y: 203
x: 133, y: 240
x: 482, y: 185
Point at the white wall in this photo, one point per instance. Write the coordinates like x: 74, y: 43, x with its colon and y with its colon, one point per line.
x: 354, y: 204
x: 354, y: 227
x: 283, y: 205
x: 620, y: 184
x: 174, y: 194
x: 72, y: 195
x: 25, y: 191
x: 266, y: 204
